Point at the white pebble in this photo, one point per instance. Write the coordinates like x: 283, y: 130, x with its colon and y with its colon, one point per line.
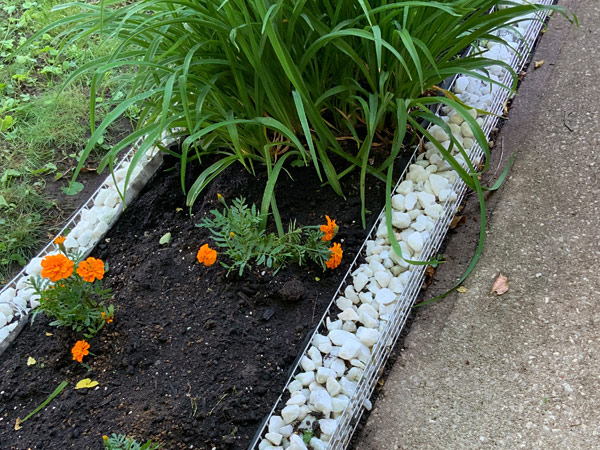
x: 290, y: 413
x: 405, y: 187
x: 415, y: 241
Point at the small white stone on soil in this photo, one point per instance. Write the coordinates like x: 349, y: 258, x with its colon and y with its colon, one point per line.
x: 328, y: 426
x: 348, y: 314
x: 294, y: 386
x: 286, y: 431
x: 317, y: 444
x: 275, y: 423
x: 415, y: 241
x: 385, y: 296
x: 351, y: 294
x: 383, y: 278
x: 323, y: 373
x: 338, y: 366
x: 425, y: 199
x: 396, y: 285
x: 405, y: 187
x: 348, y: 387
x: 398, y: 202
x: 274, y: 438
x: 349, y: 326
x: 322, y: 343
x: 315, y: 355
x: 296, y: 443
x: 85, y: 238
x: 350, y: 350
x: 368, y: 336
x: 333, y: 387
x: 306, y: 377
x: 434, y: 211
x: 290, y: 413
x: 340, y: 337
x: 466, y: 130
x: 410, y: 200
x: 360, y: 281
x: 34, y: 267
x: 400, y: 219
x: 307, y: 364
x: 438, y: 183
x: 321, y: 400
x: 354, y: 374
x: 422, y: 223
x: 335, y: 325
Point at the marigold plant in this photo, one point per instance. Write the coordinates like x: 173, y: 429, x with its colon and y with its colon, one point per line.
x: 240, y: 232
x: 59, y: 240
x: 336, y: 256
x: 71, y: 293
x: 79, y: 350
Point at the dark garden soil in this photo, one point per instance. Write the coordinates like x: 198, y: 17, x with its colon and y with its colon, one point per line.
x: 194, y: 359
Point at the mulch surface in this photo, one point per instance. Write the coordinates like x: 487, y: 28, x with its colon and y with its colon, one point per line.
x: 194, y: 359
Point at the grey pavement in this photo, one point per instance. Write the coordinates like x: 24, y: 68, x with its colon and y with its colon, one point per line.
x: 521, y: 370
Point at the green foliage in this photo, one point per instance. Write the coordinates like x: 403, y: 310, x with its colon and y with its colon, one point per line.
x: 121, y: 442
x: 260, y: 82
x: 238, y: 231
x: 73, y: 302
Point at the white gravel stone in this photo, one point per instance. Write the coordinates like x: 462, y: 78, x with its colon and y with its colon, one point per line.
x: 274, y: 438
x: 296, y: 443
x: 333, y: 387
x: 322, y: 343
x: 307, y: 364
x: 354, y: 374
x: 85, y: 238
x: 398, y: 202
x: 405, y: 187
x: 339, y: 403
x: 323, y: 373
x: 415, y: 241
x: 335, y: 325
x: 294, y: 386
x: 338, y: 366
x: 315, y: 355
x: 383, y: 278
x: 368, y: 336
x: 328, y: 426
x: 422, y: 223
x: 466, y: 130
x: 297, y: 399
x: 425, y: 199
x: 340, y: 337
x: 317, y: 444
x: 396, y: 285
x: 275, y: 423
x: 306, y: 377
x: 410, y: 200
x: 400, y: 219
x: 348, y: 387
x: 34, y: 267
x: 100, y: 229
x: 4, y: 321
x: 349, y: 326
x: 447, y: 195
x: 290, y: 413
x: 7, y: 311
x: 434, y: 211
x: 350, y: 350
x: 385, y: 296
x: 286, y: 431
x: 348, y: 314
x: 343, y: 303
x: 360, y: 281
x: 321, y: 400
x: 351, y: 294
x: 438, y: 183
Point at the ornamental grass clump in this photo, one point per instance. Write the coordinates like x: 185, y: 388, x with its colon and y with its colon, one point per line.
x: 71, y: 292
x: 239, y: 233
x: 269, y: 83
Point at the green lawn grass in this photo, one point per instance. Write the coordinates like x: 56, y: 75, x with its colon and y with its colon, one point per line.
x: 42, y: 128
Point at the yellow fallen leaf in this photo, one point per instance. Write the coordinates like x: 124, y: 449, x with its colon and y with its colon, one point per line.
x: 538, y: 64
x: 49, y: 334
x: 462, y: 289
x: 500, y: 286
x: 86, y: 383
x: 31, y: 361
x: 18, y: 424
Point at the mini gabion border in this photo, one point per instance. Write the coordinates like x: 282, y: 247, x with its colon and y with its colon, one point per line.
x: 318, y: 370
x: 87, y: 227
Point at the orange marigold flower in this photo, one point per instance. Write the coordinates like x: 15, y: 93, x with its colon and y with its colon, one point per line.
x: 206, y: 255
x: 59, y: 240
x: 336, y: 256
x: 329, y: 230
x: 57, y: 267
x: 108, y: 319
x: 91, y: 269
x: 79, y: 350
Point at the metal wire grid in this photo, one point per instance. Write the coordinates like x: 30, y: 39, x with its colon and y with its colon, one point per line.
x: 350, y: 418
x: 75, y: 217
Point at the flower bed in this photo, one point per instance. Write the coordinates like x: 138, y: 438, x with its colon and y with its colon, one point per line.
x: 194, y: 359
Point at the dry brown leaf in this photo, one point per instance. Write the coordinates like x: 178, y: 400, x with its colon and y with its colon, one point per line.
x: 18, y: 424
x: 538, y: 64
x: 500, y: 286
x: 457, y: 220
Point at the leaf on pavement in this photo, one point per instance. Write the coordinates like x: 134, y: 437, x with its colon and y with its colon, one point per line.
x: 500, y: 286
